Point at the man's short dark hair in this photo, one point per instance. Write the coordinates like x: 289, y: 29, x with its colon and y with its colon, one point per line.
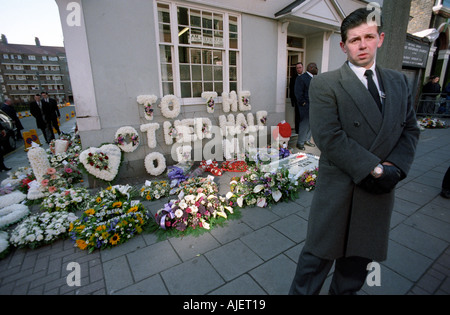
x: 358, y: 17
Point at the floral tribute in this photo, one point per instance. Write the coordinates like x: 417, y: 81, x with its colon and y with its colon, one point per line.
x: 308, y: 179
x: 198, y: 208
x: 127, y: 139
x: 431, y: 123
x: 69, y: 200
x: 110, y: 219
x: 147, y: 101
x: 209, y: 97
x: 153, y: 190
x: 40, y: 229
x: 260, y: 188
x: 103, y: 162
x: 63, y: 177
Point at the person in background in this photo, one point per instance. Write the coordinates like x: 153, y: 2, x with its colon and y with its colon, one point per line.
x: 52, y: 112
x: 37, y: 111
x: 9, y: 109
x: 302, y: 95
x: 2, y: 165
x: 294, y: 74
x: 431, y: 90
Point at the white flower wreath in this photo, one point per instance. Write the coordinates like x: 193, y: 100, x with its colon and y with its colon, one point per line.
x: 112, y: 165
x: 261, y: 118
x: 12, y: 214
x: 229, y: 101
x: 4, y: 243
x: 39, y: 161
x: 126, y: 133
x: 147, y: 101
x: 150, y: 160
x: 244, y: 102
x: 165, y: 104
x: 203, y: 128
x: 185, y: 130
x: 241, y: 124
x: 210, y: 102
x: 151, y: 130
x: 184, y: 153
x: 12, y: 198
x: 227, y: 125
x: 170, y: 132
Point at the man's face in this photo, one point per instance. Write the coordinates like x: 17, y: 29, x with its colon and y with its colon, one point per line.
x: 37, y: 98
x: 362, y: 44
x: 299, y: 68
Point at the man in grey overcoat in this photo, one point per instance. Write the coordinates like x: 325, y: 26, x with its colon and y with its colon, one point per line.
x: 367, y: 146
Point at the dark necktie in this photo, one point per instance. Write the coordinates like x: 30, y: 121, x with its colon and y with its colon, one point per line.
x: 373, y: 88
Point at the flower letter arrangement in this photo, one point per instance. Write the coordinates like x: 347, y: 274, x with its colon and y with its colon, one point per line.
x: 110, y: 219
x: 127, y: 139
x: 147, y: 101
x: 198, y: 208
x: 103, y: 163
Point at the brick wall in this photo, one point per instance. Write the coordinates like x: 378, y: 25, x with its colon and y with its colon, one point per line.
x: 420, y: 15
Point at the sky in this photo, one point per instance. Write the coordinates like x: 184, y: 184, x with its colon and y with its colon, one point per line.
x: 23, y: 20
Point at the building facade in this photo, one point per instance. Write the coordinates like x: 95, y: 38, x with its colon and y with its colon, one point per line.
x: 26, y: 70
x: 118, y: 50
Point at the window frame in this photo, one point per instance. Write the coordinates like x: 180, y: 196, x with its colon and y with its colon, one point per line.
x: 175, y: 46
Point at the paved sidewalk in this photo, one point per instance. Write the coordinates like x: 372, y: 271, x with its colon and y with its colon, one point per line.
x: 254, y: 255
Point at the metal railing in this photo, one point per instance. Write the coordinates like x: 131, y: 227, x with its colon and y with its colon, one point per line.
x: 433, y: 104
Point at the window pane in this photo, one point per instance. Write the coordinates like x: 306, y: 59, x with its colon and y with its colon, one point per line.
x: 217, y: 57
x: 207, y: 73
x: 196, y: 56
x: 197, y: 88
x: 218, y: 39
x: 183, y: 34
x: 207, y: 20
x: 209, y: 86
x: 183, y: 17
x: 233, y: 41
x: 196, y: 36
x: 233, y: 24
x: 167, y: 88
x: 233, y: 75
x: 218, y: 22
x: 166, y: 72
x: 207, y: 57
x: 218, y: 74
x: 166, y: 54
x: 164, y: 33
x: 233, y: 86
x: 218, y: 87
x: 185, y: 89
x: 233, y: 58
x: 207, y: 38
x: 183, y: 53
x: 185, y: 73
x: 196, y: 18
x: 197, y: 73
x: 163, y: 13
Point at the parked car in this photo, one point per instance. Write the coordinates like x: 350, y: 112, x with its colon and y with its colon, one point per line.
x: 9, y: 141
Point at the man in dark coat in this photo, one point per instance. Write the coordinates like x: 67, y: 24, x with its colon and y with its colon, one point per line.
x: 365, y: 152
x: 294, y: 75
x: 302, y: 96
x: 52, y: 112
x: 37, y: 110
x: 9, y: 109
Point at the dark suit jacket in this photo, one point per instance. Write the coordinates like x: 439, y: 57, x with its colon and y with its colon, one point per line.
x: 353, y: 137
x: 302, y: 89
x: 38, y: 115
x: 51, y: 109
